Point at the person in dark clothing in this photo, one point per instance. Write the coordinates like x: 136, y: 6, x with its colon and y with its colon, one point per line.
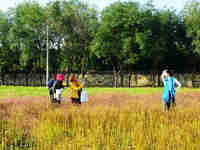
x: 51, y: 90
x: 58, y: 86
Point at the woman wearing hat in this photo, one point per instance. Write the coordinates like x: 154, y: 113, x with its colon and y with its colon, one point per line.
x: 58, y: 86
x: 76, y: 87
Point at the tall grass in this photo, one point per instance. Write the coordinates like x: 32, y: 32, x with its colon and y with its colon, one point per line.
x: 38, y: 125
x: 41, y: 127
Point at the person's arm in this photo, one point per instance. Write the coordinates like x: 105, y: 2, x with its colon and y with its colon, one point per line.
x: 62, y: 86
x: 163, y: 77
x: 178, y: 83
x: 80, y: 85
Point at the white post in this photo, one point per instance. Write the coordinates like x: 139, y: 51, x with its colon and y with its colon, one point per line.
x: 47, y: 63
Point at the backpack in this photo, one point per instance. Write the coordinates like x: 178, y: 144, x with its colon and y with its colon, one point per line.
x: 51, y: 83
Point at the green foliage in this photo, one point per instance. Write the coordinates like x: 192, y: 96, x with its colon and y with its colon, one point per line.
x: 124, y: 36
x: 192, y: 21
x: 72, y: 31
x: 115, y: 39
x: 9, y: 56
x: 27, y: 32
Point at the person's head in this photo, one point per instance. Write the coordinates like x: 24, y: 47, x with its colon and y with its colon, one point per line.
x: 169, y: 73
x: 60, y: 77
x: 72, y: 78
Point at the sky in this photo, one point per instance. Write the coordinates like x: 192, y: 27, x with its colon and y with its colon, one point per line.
x: 100, y: 4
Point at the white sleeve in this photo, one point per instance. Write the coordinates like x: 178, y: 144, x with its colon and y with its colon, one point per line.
x: 177, y: 82
x: 163, y: 78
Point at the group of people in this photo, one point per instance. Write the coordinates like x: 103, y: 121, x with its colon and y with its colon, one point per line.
x: 56, y: 87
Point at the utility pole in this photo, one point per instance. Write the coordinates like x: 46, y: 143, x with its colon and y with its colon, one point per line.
x: 47, y: 53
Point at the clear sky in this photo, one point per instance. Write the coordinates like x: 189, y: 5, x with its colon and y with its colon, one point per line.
x: 177, y: 4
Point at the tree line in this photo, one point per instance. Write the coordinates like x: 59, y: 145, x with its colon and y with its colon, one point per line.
x: 124, y: 36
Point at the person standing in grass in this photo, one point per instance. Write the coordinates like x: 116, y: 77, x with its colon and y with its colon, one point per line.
x: 76, y: 88
x: 58, y: 87
x: 169, y: 89
x: 51, y: 89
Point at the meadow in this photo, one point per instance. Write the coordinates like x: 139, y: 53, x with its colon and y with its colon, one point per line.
x: 113, y: 119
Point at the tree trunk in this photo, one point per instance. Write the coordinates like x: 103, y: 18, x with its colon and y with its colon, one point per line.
x: 2, y: 78
x: 122, y: 79
x: 153, y: 78
x: 26, y: 77
x: 15, y: 79
x: 159, y: 83
x: 69, y: 70
x: 115, y: 78
x: 41, y: 78
x: 82, y: 66
x: 129, y: 79
x: 136, y: 79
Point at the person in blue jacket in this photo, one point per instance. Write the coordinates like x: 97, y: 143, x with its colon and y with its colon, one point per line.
x: 51, y: 89
x: 169, y: 89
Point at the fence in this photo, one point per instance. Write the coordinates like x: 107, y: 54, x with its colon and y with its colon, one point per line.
x: 101, y: 79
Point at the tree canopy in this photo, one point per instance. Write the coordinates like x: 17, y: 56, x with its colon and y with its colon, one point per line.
x: 123, y: 36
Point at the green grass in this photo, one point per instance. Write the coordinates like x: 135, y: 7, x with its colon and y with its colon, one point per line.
x: 131, y: 91
x: 13, y: 91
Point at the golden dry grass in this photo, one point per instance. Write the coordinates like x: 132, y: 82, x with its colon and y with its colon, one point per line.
x: 110, y: 121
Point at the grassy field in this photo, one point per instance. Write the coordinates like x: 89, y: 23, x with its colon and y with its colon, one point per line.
x: 113, y: 119
x: 12, y: 91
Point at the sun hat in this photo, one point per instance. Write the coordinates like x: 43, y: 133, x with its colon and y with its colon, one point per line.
x: 60, y: 77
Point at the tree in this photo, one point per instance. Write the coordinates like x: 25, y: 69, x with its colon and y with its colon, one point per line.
x: 192, y: 22
x: 115, y: 40
x: 72, y: 26
x: 191, y: 18
x: 8, y: 55
x: 29, y: 28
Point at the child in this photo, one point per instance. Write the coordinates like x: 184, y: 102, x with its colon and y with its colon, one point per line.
x: 76, y: 87
x: 58, y: 86
x: 169, y: 89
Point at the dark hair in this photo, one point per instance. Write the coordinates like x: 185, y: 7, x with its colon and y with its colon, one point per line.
x: 72, y: 78
x: 169, y: 72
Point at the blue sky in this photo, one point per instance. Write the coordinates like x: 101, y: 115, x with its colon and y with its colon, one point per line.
x: 177, y: 4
